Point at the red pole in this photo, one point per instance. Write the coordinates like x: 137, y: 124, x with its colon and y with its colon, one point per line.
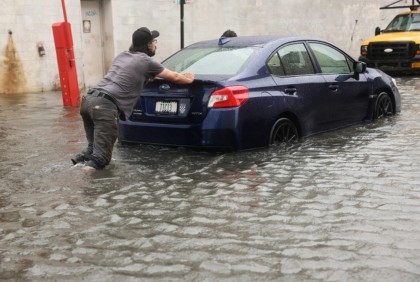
x: 64, y: 10
x: 66, y: 62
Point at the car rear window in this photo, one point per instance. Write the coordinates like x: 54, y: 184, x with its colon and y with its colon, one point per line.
x: 210, y: 61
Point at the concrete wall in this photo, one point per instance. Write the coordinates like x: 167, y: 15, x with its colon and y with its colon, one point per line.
x: 30, y: 22
x: 345, y: 23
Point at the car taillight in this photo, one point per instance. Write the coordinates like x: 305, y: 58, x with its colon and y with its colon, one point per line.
x: 232, y: 96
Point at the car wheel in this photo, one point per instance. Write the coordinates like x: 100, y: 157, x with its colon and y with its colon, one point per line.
x: 283, y: 131
x: 384, y: 106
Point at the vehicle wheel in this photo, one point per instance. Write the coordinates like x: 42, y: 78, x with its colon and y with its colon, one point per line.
x: 384, y: 106
x: 283, y: 131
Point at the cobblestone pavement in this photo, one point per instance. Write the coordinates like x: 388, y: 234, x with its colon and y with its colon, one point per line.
x: 340, y: 206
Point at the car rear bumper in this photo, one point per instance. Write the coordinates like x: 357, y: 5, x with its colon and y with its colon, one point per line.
x: 216, y: 131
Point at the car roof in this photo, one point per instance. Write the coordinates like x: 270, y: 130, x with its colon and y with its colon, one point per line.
x: 245, y: 41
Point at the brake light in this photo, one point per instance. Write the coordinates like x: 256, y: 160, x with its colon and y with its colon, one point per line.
x: 232, y: 96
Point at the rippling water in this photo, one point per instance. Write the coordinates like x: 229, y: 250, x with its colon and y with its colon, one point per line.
x: 341, y: 206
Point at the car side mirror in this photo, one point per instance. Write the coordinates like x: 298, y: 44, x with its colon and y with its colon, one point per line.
x: 359, y: 67
x: 377, y: 30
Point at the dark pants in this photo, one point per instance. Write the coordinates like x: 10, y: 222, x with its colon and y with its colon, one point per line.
x: 100, y: 119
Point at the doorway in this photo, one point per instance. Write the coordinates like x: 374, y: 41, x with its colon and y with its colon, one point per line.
x: 92, y: 42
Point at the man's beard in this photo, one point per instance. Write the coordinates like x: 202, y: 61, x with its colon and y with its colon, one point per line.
x: 151, y: 53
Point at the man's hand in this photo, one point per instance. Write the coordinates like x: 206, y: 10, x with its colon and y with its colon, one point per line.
x: 189, y: 76
x: 176, y: 77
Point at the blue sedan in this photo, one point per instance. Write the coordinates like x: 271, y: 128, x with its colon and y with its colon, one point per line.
x: 251, y: 92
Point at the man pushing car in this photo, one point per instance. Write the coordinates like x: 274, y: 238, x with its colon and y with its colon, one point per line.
x: 116, y: 94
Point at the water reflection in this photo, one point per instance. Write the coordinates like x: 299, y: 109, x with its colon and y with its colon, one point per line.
x: 340, y: 206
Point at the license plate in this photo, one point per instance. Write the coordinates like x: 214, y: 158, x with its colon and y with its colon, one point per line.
x: 166, y: 107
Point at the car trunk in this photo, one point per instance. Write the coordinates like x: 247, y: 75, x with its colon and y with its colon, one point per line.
x: 165, y: 102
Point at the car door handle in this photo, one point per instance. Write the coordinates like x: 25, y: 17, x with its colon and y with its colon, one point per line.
x: 290, y: 90
x: 333, y: 87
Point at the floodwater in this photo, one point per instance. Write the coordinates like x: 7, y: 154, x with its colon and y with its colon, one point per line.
x: 340, y: 206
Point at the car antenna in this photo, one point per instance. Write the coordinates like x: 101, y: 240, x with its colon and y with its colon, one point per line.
x: 224, y: 40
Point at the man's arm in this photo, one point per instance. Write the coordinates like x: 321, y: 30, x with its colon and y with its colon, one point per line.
x: 176, y: 77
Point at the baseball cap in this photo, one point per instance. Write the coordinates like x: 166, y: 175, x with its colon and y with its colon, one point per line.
x: 143, y: 35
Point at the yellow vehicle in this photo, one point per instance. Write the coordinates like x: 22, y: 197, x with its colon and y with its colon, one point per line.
x: 396, y: 49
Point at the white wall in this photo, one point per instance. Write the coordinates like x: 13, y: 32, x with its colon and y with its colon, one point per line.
x: 30, y: 23
x: 345, y: 23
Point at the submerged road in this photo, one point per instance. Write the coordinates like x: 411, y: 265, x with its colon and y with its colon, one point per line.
x: 340, y: 206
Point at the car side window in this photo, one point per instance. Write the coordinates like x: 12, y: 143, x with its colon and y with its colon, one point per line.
x: 275, y: 66
x: 330, y: 60
x: 291, y: 60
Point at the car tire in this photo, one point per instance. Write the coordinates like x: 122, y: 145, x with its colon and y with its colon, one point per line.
x: 283, y: 131
x: 384, y: 106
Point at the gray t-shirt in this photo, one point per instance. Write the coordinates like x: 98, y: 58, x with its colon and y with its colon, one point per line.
x: 126, y: 77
